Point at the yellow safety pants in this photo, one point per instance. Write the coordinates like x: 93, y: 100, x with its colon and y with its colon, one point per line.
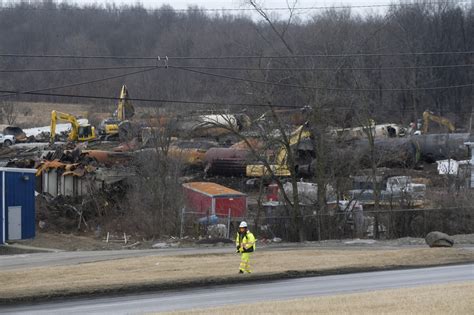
x: 245, y: 263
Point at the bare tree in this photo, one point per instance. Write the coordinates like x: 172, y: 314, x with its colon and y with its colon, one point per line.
x: 410, y: 28
x: 9, y: 112
x: 282, y: 142
x: 153, y: 202
x: 369, y: 130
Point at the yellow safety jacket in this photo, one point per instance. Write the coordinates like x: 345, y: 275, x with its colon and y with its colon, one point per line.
x: 247, y: 242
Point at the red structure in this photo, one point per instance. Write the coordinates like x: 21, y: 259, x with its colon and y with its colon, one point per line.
x: 214, y: 199
x: 272, y: 192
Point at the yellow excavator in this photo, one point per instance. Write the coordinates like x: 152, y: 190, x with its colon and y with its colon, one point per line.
x: 125, y: 110
x: 79, y: 132
x: 430, y: 116
x: 280, y: 168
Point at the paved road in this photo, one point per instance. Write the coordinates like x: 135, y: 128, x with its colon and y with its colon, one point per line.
x: 231, y: 295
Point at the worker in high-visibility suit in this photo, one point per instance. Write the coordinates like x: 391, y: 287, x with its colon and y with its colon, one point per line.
x: 245, y: 242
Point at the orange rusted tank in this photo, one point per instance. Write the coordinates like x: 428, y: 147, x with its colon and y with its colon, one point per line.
x: 191, y: 153
x: 109, y: 158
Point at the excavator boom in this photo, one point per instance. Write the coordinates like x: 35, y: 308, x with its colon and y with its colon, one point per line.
x: 110, y: 127
x: 281, y: 167
x: 429, y: 116
x: 78, y: 132
x: 125, y: 109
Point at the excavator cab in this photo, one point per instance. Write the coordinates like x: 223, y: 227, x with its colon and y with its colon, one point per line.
x: 86, y: 133
x: 110, y: 127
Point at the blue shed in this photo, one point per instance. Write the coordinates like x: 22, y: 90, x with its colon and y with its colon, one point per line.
x: 17, y: 186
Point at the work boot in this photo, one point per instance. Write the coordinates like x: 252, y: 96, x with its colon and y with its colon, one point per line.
x: 241, y: 271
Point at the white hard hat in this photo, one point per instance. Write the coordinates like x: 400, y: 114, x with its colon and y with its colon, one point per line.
x: 243, y: 224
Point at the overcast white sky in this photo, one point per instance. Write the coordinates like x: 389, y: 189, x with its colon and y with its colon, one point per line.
x: 230, y: 4
x: 219, y: 4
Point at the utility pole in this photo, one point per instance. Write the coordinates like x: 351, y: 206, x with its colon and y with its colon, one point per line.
x: 470, y: 119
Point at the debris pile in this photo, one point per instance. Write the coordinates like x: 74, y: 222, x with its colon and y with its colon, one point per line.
x: 82, y: 180
x: 60, y: 213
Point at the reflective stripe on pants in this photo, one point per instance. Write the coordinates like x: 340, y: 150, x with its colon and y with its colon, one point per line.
x: 245, y: 263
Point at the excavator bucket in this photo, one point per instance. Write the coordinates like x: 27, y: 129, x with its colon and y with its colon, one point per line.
x: 125, y: 109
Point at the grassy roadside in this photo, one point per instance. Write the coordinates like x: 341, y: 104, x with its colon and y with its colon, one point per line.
x: 161, y: 272
x: 453, y: 298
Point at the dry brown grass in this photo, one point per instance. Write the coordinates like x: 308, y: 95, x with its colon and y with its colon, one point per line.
x: 116, y: 274
x: 40, y: 113
x: 454, y: 298
x: 68, y: 242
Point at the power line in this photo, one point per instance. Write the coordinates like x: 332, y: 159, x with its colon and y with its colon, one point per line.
x: 144, y: 99
x: 302, y: 69
x: 321, y: 88
x: 326, y: 55
x: 161, y: 59
x: 189, y: 102
x: 74, y: 69
x: 79, y: 83
x: 330, y: 69
x: 10, y: 93
x: 124, y: 9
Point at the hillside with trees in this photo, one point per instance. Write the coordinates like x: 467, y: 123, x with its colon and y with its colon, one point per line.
x: 387, y: 64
